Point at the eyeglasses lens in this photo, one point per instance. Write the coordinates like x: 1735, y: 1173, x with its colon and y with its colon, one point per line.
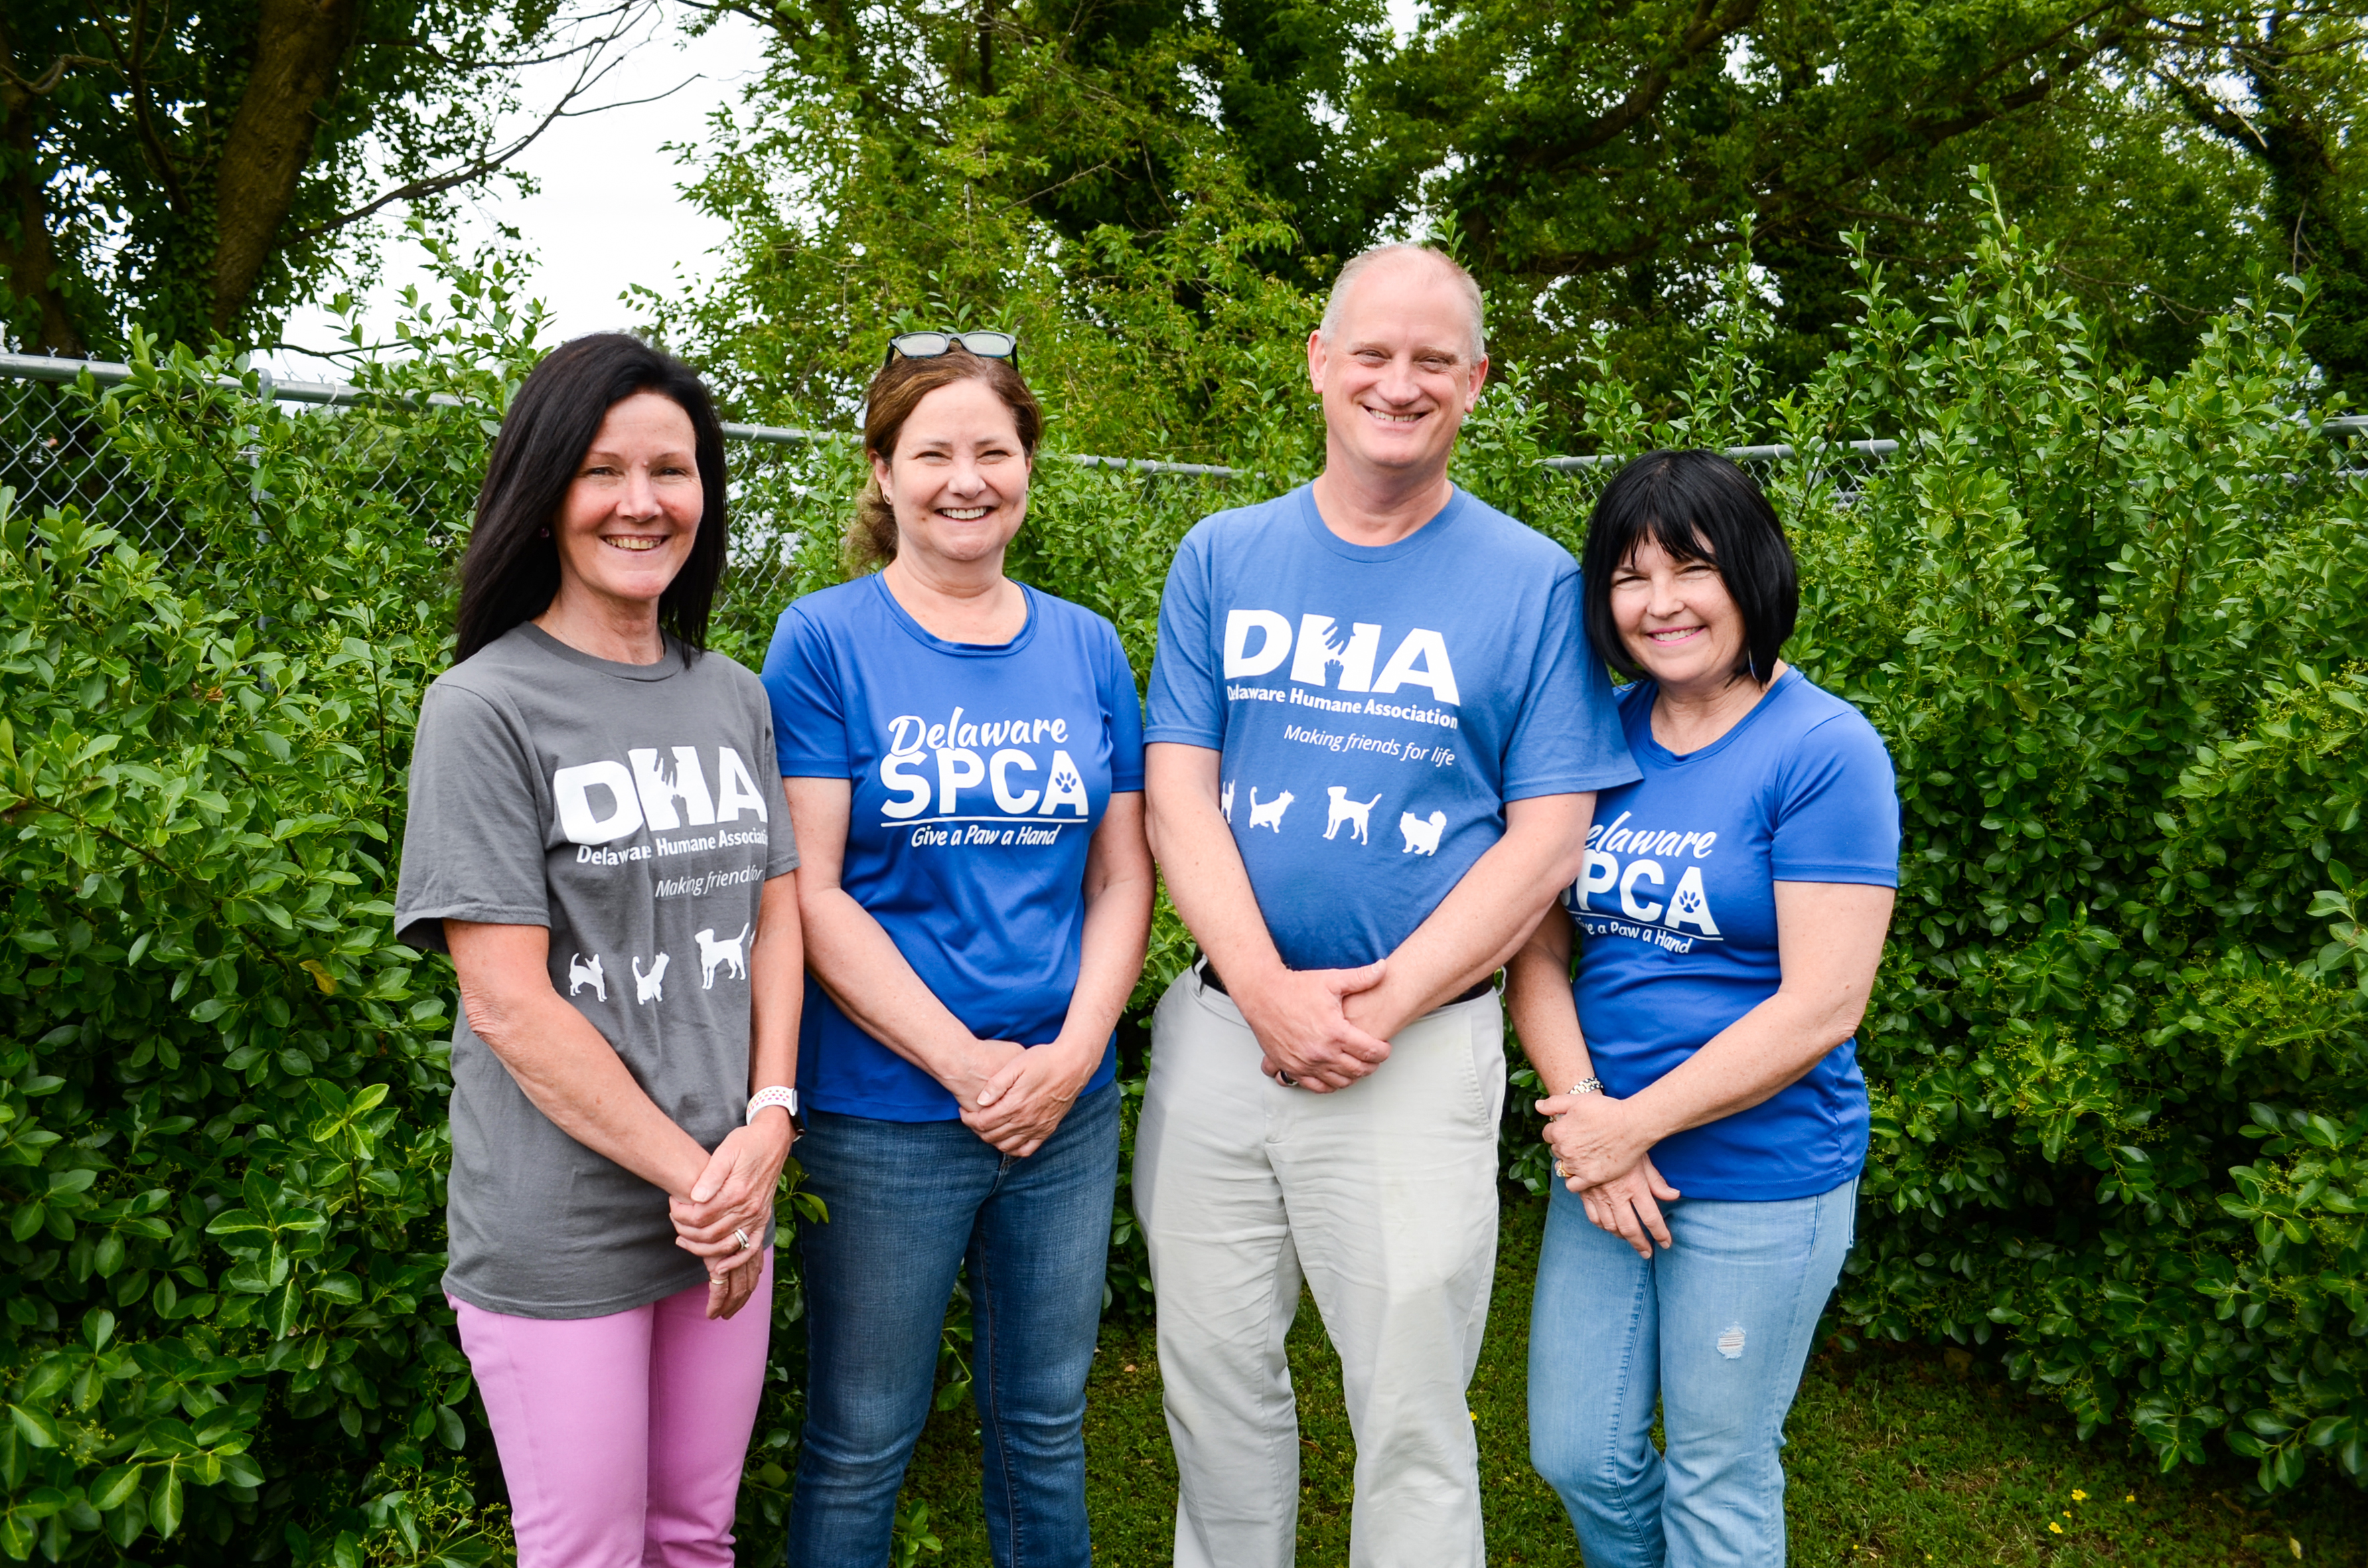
x: 930, y: 345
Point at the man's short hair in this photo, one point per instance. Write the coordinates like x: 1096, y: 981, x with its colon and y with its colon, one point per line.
x: 1465, y: 287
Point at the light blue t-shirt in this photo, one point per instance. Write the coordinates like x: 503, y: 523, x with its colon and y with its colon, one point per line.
x: 978, y: 777
x: 1376, y: 706
x: 1677, y: 916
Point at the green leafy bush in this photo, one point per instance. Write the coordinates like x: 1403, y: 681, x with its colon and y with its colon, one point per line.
x: 2112, y: 632
x: 220, y: 1131
x: 2111, y: 629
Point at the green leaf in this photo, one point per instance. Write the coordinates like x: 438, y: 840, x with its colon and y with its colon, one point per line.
x: 165, y: 1503
x: 113, y: 1486
x: 35, y: 1426
x: 236, y: 1222
x: 282, y: 1309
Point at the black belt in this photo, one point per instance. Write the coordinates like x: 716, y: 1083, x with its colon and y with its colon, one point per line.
x: 1481, y: 987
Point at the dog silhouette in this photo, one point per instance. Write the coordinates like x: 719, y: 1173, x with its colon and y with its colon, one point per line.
x: 1269, y: 814
x: 1353, y: 812
x: 1225, y: 803
x: 1422, y: 838
x: 712, y: 954
x: 581, y: 974
x: 646, y: 987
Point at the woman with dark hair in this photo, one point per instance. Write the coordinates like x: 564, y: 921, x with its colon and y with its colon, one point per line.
x: 591, y: 812
x: 1708, y: 1119
x: 964, y: 756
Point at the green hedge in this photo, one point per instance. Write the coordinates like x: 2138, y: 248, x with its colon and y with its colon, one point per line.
x: 2113, y: 633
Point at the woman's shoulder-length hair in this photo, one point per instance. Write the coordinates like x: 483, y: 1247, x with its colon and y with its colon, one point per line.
x: 511, y: 570
x: 1697, y: 506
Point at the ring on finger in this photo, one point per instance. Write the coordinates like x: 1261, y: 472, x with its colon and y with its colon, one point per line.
x: 1562, y: 1170
x: 741, y: 1237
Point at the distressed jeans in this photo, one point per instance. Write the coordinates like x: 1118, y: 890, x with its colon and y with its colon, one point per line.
x: 1716, y: 1329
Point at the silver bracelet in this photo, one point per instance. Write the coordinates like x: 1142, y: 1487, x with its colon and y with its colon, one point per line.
x: 1587, y: 1087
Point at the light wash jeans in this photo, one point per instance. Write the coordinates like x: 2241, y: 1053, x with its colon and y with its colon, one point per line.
x: 1717, y: 1328
x: 910, y: 1204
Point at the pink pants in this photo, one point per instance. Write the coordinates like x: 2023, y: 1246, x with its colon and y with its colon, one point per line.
x: 622, y: 1437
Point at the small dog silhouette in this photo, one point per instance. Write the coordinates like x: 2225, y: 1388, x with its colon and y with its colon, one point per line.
x: 581, y: 974
x: 712, y: 952
x: 1422, y: 838
x: 1269, y: 814
x: 1353, y: 812
x: 1225, y: 803
x: 646, y: 987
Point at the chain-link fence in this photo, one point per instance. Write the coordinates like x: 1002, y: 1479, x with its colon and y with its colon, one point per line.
x: 789, y: 488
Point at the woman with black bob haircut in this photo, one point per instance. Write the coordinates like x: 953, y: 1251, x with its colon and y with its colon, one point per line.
x: 1709, y: 1120
x: 592, y: 814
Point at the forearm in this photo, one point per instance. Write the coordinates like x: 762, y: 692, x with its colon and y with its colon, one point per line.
x: 1208, y: 883
x: 574, y: 1076
x: 775, y: 987
x: 859, y: 965
x: 1480, y: 924
x: 1537, y: 996
x: 1756, y: 1057
x: 1117, y: 935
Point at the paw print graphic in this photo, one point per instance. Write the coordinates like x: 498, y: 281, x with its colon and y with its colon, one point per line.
x: 1689, y: 902
x: 1064, y: 782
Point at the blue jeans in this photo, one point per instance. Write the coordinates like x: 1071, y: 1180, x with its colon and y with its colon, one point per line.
x: 1718, y: 1328
x: 910, y: 1204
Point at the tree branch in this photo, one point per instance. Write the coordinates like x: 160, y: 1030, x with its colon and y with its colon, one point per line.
x: 589, y: 75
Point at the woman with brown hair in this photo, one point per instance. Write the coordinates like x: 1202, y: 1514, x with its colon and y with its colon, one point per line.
x: 963, y: 757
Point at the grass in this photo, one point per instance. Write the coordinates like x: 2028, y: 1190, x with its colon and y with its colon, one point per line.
x: 1896, y: 1457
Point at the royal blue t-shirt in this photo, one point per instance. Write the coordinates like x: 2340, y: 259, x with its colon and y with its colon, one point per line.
x: 1376, y: 706
x: 1676, y: 915
x: 978, y: 773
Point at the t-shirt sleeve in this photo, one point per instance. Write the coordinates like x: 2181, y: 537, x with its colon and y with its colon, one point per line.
x: 1187, y: 702
x: 809, y: 711
x: 782, y: 842
x: 1566, y: 738
x: 472, y: 843
x: 1124, y: 706
x: 1837, y: 808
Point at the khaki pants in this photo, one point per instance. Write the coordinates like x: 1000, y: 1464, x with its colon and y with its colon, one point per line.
x: 1383, y: 1197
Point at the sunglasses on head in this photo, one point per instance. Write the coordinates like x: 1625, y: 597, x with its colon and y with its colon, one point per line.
x: 930, y: 344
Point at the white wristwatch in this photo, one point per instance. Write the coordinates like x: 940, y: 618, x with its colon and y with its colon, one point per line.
x: 774, y: 1094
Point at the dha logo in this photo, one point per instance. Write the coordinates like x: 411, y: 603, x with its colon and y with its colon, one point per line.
x: 644, y: 793
x: 1420, y: 658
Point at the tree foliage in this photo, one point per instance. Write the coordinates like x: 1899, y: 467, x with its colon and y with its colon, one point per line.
x: 2118, y: 1049
x: 2119, y: 1044
x: 198, y: 169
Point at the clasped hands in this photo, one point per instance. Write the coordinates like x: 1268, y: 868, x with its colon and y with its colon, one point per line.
x: 1320, y: 1029
x: 1014, y: 1095
x: 1601, y: 1149
x: 735, y: 1194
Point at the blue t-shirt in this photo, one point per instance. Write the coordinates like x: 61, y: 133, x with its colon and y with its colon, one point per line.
x: 978, y: 777
x: 1376, y: 706
x: 1676, y: 912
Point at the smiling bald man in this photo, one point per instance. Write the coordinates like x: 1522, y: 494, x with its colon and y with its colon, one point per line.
x: 1376, y: 732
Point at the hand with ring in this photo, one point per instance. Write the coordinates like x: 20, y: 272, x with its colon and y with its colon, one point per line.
x: 722, y: 1220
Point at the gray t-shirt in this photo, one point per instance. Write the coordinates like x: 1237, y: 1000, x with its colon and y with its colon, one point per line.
x: 633, y: 810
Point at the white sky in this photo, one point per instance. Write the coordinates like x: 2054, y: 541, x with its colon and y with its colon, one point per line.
x: 610, y: 213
